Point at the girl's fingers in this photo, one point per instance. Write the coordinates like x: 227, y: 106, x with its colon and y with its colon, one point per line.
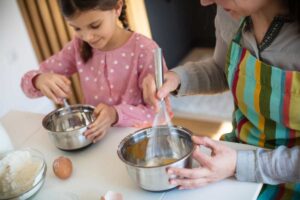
x: 94, y: 127
x: 97, y: 134
x: 98, y: 126
x: 64, y: 86
x: 93, y: 133
x: 100, y: 121
x: 66, y: 80
x: 98, y: 109
x: 58, y: 91
x: 48, y: 92
x: 99, y: 137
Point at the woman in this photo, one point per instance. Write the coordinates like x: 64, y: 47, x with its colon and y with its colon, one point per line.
x: 262, y: 71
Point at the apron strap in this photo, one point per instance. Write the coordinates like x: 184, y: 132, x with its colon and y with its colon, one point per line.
x: 238, y: 36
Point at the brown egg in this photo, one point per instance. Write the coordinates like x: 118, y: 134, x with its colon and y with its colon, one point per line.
x: 62, y: 167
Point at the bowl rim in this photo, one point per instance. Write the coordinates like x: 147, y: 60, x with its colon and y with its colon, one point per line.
x: 46, y: 118
x: 42, y: 170
x: 148, y: 167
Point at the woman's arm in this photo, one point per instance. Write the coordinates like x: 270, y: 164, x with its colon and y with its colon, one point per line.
x: 269, y: 166
x: 208, y: 76
x: 281, y: 165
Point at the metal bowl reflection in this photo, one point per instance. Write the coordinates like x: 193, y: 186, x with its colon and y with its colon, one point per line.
x: 150, y: 172
x: 67, y: 125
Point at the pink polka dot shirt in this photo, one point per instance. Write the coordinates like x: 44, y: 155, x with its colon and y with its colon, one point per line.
x: 111, y: 77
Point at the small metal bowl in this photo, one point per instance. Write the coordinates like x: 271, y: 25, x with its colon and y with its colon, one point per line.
x: 150, y: 172
x: 31, y: 189
x: 66, y: 126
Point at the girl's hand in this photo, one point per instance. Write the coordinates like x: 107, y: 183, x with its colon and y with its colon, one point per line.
x: 151, y: 96
x: 106, y: 116
x: 220, y: 165
x: 54, y: 86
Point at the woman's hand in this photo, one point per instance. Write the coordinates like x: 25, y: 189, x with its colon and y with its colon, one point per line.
x: 220, y: 165
x: 152, y: 97
x: 54, y: 86
x: 105, y: 117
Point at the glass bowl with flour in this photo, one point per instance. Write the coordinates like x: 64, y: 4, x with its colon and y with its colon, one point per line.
x: 22, y: 173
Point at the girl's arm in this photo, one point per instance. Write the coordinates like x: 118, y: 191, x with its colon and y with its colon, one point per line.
x: 63, y: 63
x: 269, y: 166
x: 135, y: 116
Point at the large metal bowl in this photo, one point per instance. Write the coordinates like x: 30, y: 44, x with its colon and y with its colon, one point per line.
x: 149, y: 172
x: 66, y: 126
x: 32, y: 186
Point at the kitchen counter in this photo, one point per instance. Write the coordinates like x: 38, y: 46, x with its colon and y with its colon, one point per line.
x: 97, y: 169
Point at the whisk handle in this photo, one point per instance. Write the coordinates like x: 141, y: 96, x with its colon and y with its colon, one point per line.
x: 158, y: 68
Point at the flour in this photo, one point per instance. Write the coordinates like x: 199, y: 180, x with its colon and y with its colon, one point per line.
x: 18, y: 171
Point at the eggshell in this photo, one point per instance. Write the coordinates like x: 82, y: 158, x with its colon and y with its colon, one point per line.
x: 111, y: 195
x: 62, y: 167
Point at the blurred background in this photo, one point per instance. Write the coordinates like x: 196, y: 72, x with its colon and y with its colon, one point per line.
x: 32, y: 30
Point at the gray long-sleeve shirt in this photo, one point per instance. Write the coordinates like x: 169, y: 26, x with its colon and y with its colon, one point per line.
x: 208, y: 76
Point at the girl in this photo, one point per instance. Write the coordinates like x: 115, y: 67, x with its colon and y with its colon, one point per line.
x: 111, y: 62
x: 262, y: 71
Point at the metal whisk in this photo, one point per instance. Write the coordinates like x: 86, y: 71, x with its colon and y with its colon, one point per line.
x: 157, y: 143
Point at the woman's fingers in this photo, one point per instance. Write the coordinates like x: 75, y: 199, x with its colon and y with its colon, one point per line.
x: 193, y: 184
x: 207, y: 142
x: 194, y: 173
x: 152, y: 96
x: 164, y: 90
x: 203, y: 159
x: 190, y: 183
x: 171, y: 82
x: 189, y: 178
x: 217, y: 166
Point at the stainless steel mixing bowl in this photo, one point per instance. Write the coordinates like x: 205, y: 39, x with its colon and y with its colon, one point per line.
x: 150, y: 172
x: 66, y: 126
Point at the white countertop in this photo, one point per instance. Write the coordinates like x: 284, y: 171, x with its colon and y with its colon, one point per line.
x: 97, y: 169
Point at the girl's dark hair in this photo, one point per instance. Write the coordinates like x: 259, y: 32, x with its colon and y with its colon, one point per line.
x: 70, y: 8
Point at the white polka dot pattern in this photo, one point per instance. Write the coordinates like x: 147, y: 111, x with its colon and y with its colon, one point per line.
x: 112, y: 77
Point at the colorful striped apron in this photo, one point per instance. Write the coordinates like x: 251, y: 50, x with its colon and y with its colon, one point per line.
x: 267, y: 107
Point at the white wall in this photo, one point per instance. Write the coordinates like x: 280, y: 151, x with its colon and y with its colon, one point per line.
x: 16, y: 57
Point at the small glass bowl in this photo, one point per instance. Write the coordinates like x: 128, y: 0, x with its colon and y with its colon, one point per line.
x: 38, y: 180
